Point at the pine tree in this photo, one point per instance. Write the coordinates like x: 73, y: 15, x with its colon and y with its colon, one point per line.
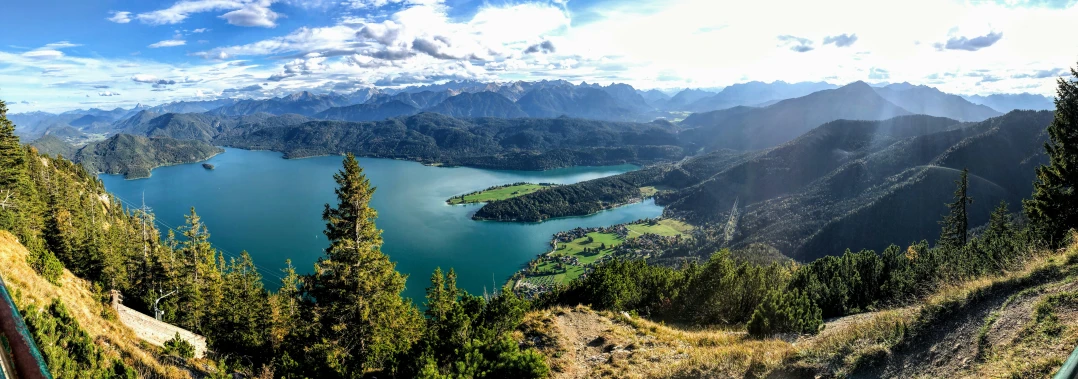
x: 1052, y: 210
x: 355, y: 289
x: 201, y: 288
x: 999, y: 224
x: 956, y: 224
x: 12, y: 156
x: 240, y: 323
x: 15, y: 185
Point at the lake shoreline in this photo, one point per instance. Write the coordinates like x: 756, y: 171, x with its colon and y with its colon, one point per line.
x: 271, y: 208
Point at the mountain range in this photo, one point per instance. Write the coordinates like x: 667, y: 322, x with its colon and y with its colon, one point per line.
x: 550, y: 98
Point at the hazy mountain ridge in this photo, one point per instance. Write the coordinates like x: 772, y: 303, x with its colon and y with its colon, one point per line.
x: 755, y: 94
x: 745, y: 128
x: 930, y: 101
x: 1008, y: 102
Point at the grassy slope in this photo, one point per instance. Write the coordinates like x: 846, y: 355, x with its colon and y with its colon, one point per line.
x: 116, y: 339
x: 665, y: 227
x: 500, y: 193
x: 1020, y: 324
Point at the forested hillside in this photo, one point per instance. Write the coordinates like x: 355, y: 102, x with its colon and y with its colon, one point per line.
x: 130, y: 155
x: 485, y: 142
x: 817, y: 194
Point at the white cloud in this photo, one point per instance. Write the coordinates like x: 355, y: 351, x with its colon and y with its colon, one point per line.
x: 120, y: 17
x: 144, y: 78
x: 240, y: 12
x: 43, y: 54
x: 108, y: 93
x: 200, y: 30
x: 253, y: 14
x: 646, y: 43
x: 168, y: 43
x: 60, y: 45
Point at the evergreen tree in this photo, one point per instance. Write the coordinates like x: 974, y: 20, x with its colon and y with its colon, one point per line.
x: 956, y: 223
x: 202, y: 287
x: 15, y: 186
x: 999, y: 224
x: 11, y: 154
x: 240, y: 324
x: 355, y: 289
x: 1052, y: 209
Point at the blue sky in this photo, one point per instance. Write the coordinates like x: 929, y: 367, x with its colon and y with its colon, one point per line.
x: 58, y: 55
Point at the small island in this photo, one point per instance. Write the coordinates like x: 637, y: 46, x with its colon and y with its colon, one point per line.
x: 502, y: 192
x: 207, y: 166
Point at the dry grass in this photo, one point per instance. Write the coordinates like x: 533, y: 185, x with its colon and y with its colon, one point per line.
x: 582, y: 343
x: 75, y: 293
x: 848, y: 342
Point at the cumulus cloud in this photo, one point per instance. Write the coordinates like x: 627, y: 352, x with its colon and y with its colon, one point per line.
x: 144, y: 78
x: 970, y: 44
x: 296, y: 67
x: 797, y: 44
x: 439, y: 47
x: 168, y: 43
x: 841, y: 40
x: 162, y: 83
x: 254, y: 14
x: 200, y: 30
x: 43, y: 54
x: 542, y: 47
x: 108, y: 93
x: 120, y: 17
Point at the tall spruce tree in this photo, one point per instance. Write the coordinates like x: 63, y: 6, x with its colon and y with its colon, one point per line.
x: 14, y: 181
x: 956, y: 223
x: 1052, y: 211
x: 356, y: 289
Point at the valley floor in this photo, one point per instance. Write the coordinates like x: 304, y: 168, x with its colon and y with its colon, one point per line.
x: 1021, y: 324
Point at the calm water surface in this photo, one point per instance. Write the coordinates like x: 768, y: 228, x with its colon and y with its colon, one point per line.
x: 272, y: 208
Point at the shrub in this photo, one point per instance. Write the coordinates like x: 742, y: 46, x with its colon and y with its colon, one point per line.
x: 179, y: 347
x: 46, y: 264
x: 785, y: 312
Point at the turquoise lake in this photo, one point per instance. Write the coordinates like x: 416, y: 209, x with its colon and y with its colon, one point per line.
x: 272, y: 207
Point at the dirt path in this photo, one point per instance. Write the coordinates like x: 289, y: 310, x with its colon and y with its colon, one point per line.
x: 953, y: 348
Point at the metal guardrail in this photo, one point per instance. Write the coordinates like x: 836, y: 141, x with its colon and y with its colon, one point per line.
x: 23, y: 353
x: 1070, y: 367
